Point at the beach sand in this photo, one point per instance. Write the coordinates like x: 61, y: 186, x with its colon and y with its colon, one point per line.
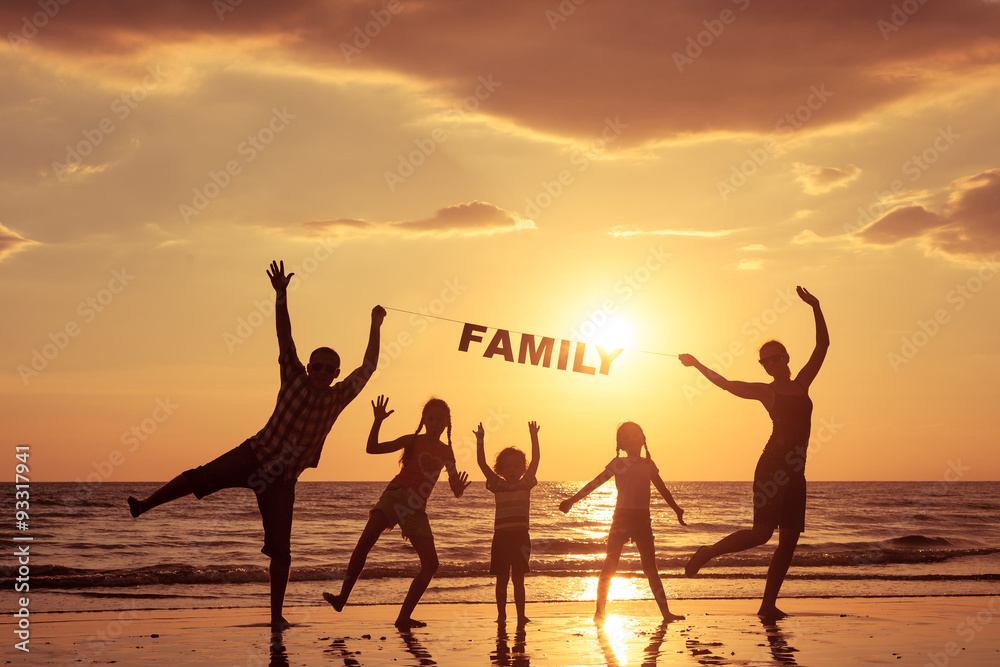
x: 828, y: 631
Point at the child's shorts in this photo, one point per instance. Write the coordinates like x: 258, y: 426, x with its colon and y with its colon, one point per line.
x: 632, y: 525
x: 401, y: 506
x: 510, y: 552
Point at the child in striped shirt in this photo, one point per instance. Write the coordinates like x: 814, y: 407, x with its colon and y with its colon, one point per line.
x: 510, y: 481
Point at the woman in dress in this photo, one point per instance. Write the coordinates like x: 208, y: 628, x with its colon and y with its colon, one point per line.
x: 779, y: 482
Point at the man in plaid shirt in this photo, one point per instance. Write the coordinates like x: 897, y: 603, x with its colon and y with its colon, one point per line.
x: 271, y: 461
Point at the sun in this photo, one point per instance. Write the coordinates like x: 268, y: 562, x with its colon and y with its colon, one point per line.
x: 616, y: 332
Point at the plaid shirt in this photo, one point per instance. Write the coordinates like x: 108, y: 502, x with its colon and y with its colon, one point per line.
x: 293, y: 437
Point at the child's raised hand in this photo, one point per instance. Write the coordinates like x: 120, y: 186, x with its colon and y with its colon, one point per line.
x: 380, y: 408
x: 459, y: 483
x: 565, y: 506
x: 533, y: 428
x: 680, y: 516
x: 480, y: 433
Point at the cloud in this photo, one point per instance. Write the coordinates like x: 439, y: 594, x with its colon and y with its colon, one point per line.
x: 473, y: 219
x: 969, y: 223
x: 750, y: 264
x: 670, y: 70
x: 11, y: 242
x: 623, y: 232
x: 819, y: 180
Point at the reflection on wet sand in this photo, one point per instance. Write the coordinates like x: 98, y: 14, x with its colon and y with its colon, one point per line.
x: 614, y: 640
x: 507, y: 656
x: 777, y: 640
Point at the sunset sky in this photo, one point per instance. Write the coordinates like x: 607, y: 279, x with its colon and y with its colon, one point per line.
x: 655, y: 176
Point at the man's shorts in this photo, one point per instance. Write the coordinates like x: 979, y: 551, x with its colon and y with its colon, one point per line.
x: 235, y: 469
x: 631, y: 524
x: 510, y: 552
x: 401, y: 506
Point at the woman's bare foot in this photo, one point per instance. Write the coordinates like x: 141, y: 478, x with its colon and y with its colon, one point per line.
x: 699, y: 558
x: 668, y: 617
x: 771, y: 613
x: 135, y: 507
x: 521, y: 620
x: 335, y: 601
x: 279, y: 624
x: 406, y: 623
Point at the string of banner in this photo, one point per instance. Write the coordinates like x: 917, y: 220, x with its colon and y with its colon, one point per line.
x: 535, y: 350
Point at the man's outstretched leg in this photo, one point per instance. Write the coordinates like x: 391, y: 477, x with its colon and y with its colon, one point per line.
x: 176, y: 488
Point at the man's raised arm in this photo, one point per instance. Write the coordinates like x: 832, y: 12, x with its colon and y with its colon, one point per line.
x: 283, y: 323
x: 360, y: 375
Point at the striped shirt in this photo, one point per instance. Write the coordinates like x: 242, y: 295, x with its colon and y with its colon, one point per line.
x: 513, y: 501
x: 293, y: 437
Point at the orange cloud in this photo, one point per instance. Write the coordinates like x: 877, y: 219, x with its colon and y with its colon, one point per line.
x: 11, y: 242
x: 472, y: 219
x: 667, y: 69
x: 969, y: 223
x: 819, y: 180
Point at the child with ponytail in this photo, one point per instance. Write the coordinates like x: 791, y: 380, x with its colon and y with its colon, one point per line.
x: 633, y: 474
x: 405, y: 498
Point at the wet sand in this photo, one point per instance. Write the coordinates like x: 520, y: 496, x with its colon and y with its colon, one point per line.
x: 940, y: 632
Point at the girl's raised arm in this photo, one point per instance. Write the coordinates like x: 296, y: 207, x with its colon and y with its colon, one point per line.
x: 374, y: 446
x: 809, y: 371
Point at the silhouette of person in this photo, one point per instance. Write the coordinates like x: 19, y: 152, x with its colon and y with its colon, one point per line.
x: 271, y: 461
x: 631, y: 521
x: 404, y: 500
x: 779, y: 486
x: 511, y: 481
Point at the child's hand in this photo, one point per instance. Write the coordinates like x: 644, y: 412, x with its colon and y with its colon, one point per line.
x: 480, y: 432
x: 533, y: 428
x: 566, y: 505
x: 680, y: 516
x: 459, y: 483
x: 380, y: 408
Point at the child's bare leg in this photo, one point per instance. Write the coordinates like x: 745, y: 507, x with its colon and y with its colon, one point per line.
x: 501, y: 592
x: 176, y: 488
x: 518, y: 579
x: 615, y: 545
x: 377, y: 523
x: 428, y: 566
x: 782, y: 558
x: 741, y: 540
x: 647, y: 556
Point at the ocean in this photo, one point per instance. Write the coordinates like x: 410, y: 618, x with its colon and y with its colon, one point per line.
x: 862, y: 539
